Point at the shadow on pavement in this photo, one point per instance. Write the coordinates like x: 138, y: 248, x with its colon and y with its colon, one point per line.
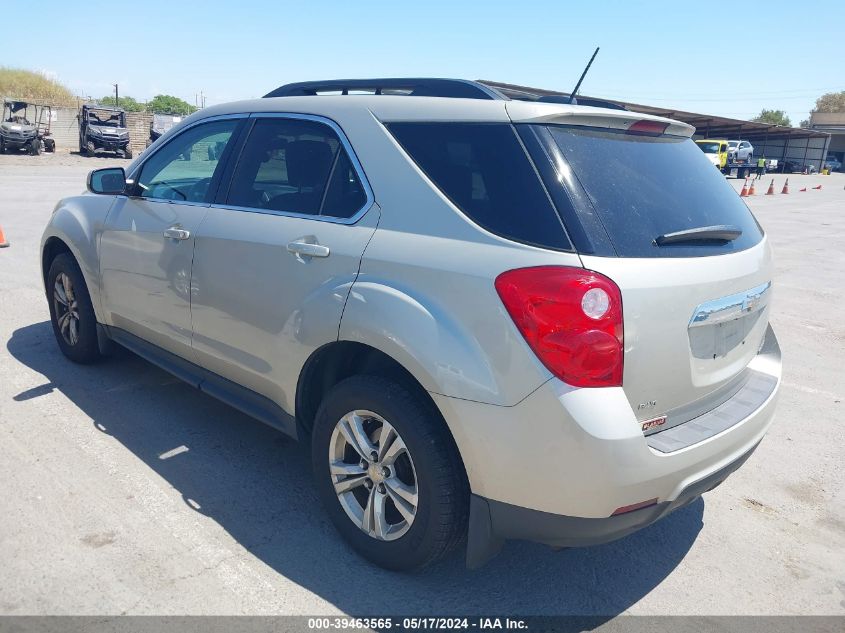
x: 257, y: 485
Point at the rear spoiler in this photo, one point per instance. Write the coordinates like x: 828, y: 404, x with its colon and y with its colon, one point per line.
x: 624, y: 120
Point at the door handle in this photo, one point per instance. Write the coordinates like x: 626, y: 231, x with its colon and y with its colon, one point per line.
x: 177, y: 233
x: 307, y: 249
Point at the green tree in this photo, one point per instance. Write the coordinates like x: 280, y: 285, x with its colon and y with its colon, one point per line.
x: 775, y: 117
x: 168, y: 104
x: 127, y: 103
x: 831, y: 102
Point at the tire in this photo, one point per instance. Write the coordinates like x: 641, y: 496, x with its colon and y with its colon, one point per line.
x: 2, y: 145
x: 49, y: 145
x: 90, y: 148
x: 82, y: 348
x: 34, y: 147
x: 430, y: 466
x: 127, y: 153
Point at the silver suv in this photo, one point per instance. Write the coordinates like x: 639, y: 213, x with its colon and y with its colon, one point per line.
x: 491, y: 318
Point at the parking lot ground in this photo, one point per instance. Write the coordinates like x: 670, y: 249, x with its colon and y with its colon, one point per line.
x: 124, y: 491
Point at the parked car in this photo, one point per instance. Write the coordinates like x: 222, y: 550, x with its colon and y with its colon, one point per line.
x: 798, y: 167
x: 740, y: 151
x: 716, y: 151
x: 833, y: 164
x: 103, y: 129
x: 446, y: 297
x: 771, y: 165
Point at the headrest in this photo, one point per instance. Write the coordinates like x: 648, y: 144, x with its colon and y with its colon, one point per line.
x: 308, y: 162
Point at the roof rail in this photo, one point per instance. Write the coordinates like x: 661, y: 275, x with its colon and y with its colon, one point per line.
x: 415, y: 87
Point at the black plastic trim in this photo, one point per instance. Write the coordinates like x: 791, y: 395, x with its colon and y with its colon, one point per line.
x: 233, y: 394
x: 418, y: 87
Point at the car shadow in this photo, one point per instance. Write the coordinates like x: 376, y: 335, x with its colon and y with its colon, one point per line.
x: 257, y: 485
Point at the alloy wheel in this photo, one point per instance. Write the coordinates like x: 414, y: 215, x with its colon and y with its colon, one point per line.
x: 373, y: 475
x: 66, y: 309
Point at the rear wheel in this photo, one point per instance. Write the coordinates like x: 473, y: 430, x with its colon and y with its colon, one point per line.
x: 71, y: 312
x: 389, y: 473
x: 49, y: 145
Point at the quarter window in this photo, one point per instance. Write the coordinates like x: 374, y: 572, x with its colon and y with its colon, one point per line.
x: 184, y: 169
x: 483, y: 169
x: 296, y: 166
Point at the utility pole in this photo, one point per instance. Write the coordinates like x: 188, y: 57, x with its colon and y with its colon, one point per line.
x: 116, y: 98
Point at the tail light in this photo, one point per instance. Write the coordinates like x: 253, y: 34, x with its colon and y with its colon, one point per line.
x: 647, y: 128
x: 572, y: 320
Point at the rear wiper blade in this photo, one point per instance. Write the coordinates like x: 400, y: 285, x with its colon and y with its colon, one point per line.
x: 717, y: 232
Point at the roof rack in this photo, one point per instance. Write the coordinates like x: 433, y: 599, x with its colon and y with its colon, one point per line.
x: 415, y: 87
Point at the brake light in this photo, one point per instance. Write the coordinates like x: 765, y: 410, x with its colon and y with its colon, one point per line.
x: 572, y: 320
x: 647, y: 128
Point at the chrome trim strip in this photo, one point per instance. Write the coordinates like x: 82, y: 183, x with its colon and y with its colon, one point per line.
x: 731, y: 307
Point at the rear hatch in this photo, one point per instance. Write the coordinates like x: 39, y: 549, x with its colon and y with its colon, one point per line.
x: 647, y: 209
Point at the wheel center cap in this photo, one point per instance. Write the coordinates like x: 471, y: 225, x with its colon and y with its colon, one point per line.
x: 374, y: 473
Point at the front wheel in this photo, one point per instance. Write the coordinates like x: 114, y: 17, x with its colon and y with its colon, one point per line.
x: 127, y: 153
x: 71, y: 312
x: 389, y: 473
x: 34, y: 147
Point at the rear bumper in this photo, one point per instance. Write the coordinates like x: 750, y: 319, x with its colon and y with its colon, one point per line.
x: 494, y: 522
x: 556, y: 467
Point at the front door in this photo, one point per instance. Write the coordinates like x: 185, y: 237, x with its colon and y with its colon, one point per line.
x: 147, y: 243
x: 275, y: 260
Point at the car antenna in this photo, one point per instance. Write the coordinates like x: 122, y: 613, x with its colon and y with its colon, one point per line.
x: 583, y: 74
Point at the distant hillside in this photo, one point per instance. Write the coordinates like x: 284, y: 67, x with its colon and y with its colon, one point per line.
x: 25, y: 84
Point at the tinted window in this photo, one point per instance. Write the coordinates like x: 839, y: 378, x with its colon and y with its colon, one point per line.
x: 643, y: 187
x: 286, y: 165
x: 484, y: 171
x: 346, y: 195
x: 183, y: 169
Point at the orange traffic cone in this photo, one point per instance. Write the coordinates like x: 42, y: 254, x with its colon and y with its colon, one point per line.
x: 804, y: 189
x: 771, y: 190
x: 819, y: 187
x: 744, y: 191
x: 751, y: 188
x: 785, y: 187
x: 3, y: 242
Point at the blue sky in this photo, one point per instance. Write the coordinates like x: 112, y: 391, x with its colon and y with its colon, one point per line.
x: 657, y: 53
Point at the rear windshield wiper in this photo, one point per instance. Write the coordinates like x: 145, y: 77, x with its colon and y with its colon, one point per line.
x: 715, y: 233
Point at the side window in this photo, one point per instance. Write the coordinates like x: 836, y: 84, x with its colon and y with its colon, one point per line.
x: 183, y: 169
x: 484, y: 171
x: 297, y: 166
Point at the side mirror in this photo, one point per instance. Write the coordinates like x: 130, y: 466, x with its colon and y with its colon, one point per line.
x: 109, y: 181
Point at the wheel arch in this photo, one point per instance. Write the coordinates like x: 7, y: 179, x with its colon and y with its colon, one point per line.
x: 335, y: 361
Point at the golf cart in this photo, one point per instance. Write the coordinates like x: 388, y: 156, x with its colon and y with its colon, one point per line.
x: 102, y: 128
x: 160, y: 124
x: 25, y: 126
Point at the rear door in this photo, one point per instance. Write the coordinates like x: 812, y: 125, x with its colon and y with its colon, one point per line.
x: 277, y: 253
x: 695, y: 309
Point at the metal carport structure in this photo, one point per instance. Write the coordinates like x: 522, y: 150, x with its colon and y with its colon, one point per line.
x: 802, y: 145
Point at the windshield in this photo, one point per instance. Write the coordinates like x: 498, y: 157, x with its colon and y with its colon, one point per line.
x: 642, y: 187
x: 709, y: 148
x: 733, y: 144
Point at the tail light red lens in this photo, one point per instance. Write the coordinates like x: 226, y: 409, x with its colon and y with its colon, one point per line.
x: 572, y: 320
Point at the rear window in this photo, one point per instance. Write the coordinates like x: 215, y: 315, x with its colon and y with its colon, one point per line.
x: 643, y: 187
x: 484, y: 170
